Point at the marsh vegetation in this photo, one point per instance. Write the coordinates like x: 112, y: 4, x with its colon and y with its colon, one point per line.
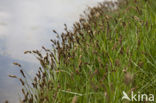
x: 107, y: 52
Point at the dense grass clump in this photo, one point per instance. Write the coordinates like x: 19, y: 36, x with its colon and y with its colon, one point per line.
x: 107, y: 52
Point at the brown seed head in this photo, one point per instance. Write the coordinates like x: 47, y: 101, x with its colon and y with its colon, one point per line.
x: 6, y: 101
x: 12, y: 76
x: 128, y: 78
x: 22, y: 82
x: 26, y: 52
x: 22, y: 73
x: 17, y: 64
x: 74, y: 100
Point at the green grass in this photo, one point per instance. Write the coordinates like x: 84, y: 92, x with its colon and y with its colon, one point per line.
x: 104, y: 55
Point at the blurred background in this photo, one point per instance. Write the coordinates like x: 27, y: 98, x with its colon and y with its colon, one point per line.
x: 28, y: 25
